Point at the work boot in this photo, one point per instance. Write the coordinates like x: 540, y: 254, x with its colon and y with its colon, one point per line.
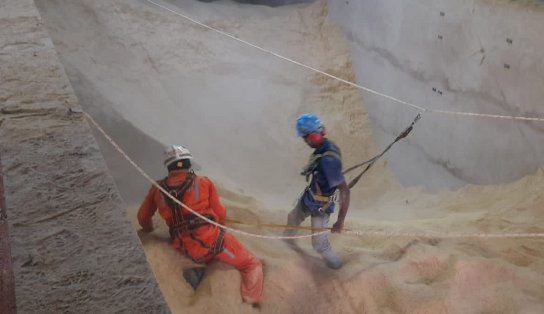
x: 332, y: 260
x: 194, y: 276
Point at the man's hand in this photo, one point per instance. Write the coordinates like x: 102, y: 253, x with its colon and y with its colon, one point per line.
x: 344, y: 205
x: 337, y: 227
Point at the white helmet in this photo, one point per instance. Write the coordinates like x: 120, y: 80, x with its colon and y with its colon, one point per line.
x: 175, y: 153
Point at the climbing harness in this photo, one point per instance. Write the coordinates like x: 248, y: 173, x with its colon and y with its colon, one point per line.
x: 217, y: 247
x: 326, y: 200
x: 183, y: 225
x: 179, y: 223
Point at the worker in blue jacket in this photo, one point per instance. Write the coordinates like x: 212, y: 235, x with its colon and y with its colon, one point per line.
x: 326, y: 182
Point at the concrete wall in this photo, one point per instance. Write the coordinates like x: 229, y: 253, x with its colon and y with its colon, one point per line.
x: 476, y: 56
x: 73, y: 248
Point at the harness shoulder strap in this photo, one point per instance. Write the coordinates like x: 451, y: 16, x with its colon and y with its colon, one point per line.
x: 177, y: 192
x: 331, y: 153
x: 315, y: 159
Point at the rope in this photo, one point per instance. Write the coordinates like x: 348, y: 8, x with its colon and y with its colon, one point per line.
x: 399, y: 234
x: 345, y: 231
x: 444, y: 235
x: 300, y: 64
x: 372, y: 160
x: 259, y: 225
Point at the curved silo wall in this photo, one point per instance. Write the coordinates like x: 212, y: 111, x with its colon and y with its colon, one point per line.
x: 469, y: 56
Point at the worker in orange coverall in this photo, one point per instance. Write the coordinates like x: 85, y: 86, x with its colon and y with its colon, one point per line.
x: 197, y: 239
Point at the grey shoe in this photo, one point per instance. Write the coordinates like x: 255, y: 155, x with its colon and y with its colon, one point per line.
x: 194, y: 276
x: 334, y: 265
x: 332, y: 260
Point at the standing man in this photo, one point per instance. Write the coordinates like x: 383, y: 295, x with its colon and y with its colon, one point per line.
x: 324, y: 172
x: 199, y: 240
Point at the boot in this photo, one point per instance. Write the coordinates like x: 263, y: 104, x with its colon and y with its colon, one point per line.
x: 194, y: 276
x: 332, y: 260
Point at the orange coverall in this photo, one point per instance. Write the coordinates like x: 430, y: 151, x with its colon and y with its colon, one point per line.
x: 203, y: 198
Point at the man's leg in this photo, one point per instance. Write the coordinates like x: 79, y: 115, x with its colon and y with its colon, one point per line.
x: 250, y: 267
x: 295, y: 218
x: 321, y: 242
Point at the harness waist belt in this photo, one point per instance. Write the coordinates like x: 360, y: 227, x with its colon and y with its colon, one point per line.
x: 193, y: 222
x: 320, y: 198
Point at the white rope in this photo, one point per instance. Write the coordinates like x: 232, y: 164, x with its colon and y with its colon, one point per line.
x: 441, y: 235
x: 483, y: 115
x: 352, y: 232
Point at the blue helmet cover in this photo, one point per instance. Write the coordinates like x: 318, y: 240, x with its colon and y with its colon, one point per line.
x: 308, y: 123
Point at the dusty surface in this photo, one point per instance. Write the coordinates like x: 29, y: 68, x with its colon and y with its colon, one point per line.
x: 72, y: 248
x: 152, y: 78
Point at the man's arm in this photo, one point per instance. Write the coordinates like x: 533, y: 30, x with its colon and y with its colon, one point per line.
x: 344, y: 206
x: 333, y: 172
x: 147, y: 210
